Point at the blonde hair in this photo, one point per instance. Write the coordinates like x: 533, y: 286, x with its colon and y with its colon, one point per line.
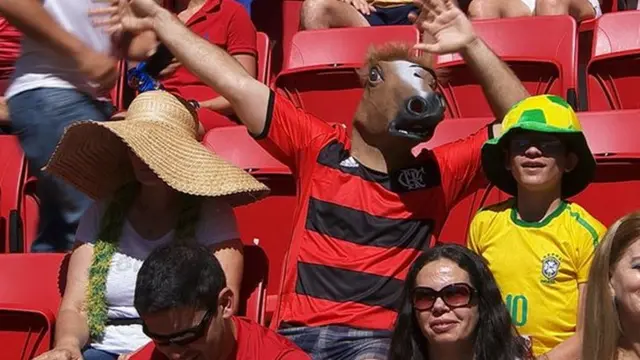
x: 602, y: 330
x: 108, y: 242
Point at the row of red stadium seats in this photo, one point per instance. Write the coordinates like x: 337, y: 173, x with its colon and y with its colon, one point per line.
x: 611, y: 136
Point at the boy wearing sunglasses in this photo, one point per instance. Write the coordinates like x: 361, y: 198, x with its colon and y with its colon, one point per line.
x: 538, y: 245
x: 186, y: 310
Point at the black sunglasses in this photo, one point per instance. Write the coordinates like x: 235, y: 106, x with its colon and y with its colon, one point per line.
x: 183, y: 337
x: 454, y: 295
x: 548, y: 146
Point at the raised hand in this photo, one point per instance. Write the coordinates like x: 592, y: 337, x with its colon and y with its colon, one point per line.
x: 61, y: 354
x: 449, y: 27
x: 125, y: 15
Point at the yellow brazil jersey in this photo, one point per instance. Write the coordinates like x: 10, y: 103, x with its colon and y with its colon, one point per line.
x: 538, y: 266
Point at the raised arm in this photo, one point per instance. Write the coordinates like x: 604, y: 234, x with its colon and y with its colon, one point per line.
x: 31, y: 18
x: 500, y: 85
x: 216, y: 68
x: 451, y: 31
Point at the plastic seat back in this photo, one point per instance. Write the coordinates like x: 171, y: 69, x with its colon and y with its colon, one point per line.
x: 613, y: 73
x: 320, y: 75
x: 611, y: 137
x: 18, y: 204
x: 545, y: 64
x: 264, y: 57
x: 31, y: 287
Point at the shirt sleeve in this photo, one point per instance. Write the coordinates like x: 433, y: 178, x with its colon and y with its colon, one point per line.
x: 89, y: 225
x: 474, y: 234
x: 288, y: 130
x: 241, y: 34
x: 461, y: 166
x: 589, y: 236
x: 217, y: 223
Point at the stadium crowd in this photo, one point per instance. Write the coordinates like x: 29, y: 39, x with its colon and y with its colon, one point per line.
x: 147, y: 211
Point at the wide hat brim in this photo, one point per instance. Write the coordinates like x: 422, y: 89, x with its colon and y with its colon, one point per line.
x: 573, y: 182
x: 93, y: 157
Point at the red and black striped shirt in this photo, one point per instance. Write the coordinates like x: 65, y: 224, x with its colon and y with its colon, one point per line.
x: 357, y: 231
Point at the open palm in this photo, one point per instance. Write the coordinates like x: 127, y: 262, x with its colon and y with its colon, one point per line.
x: 449, y: 27
x: 126, y: 15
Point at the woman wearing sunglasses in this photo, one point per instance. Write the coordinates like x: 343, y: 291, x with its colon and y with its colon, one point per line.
x: 451, y: 309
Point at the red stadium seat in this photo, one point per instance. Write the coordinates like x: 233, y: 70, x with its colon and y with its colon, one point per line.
x: 252, y: 298
x: 264, y: 57
x: 545, y: 64
x: 30, y: 291
x: 611, y: 137
x: 253, y: 294
x: 269, y: 221
x: 18, y: 203
x: 613, y: 73
x: 319, y: 72
x: 235, y: 145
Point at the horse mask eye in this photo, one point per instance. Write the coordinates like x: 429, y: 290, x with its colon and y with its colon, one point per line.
x: 374, y: 75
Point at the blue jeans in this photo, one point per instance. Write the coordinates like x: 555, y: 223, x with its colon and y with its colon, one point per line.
x: 38, y: 118
x: 335, y: 342
x: 94, y: 354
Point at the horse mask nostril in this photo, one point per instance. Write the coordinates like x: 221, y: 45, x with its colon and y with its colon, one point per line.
x: 417, y: 105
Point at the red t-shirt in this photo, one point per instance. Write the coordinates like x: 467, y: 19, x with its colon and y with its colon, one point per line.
x: 9, y: 51
x: 253, y: 341
x: 357, y: 231
x: 226, y: 24
x: 257, y: 342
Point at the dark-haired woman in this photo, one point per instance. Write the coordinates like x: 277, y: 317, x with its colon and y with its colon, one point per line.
x: 451, y: 309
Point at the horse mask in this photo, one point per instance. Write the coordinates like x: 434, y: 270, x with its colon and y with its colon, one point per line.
x: 400, y: 93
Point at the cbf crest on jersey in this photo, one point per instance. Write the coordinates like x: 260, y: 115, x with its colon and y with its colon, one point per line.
x: 550, y: 268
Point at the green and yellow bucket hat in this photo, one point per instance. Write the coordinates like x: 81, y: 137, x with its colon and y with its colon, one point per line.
x: 543, y: 114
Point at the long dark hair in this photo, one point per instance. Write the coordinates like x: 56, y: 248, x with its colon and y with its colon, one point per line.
x: 495, y: 338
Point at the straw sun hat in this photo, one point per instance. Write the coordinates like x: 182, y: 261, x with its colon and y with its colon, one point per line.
x: 161, y: 130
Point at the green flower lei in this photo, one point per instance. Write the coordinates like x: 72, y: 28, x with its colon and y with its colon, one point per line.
x: 108, y: 243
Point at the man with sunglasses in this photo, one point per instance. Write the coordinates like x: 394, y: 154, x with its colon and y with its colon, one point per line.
x: 186, y: 309
x: 538, y: 245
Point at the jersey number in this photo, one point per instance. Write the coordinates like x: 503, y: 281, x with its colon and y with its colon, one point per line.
x: 518, y: 307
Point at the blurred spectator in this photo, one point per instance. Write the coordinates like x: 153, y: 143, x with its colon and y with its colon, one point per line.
x: 223, y: 23
x: 63, y: 74
x: 611, y: 330
x: 149, y: 193
x: 186, y: 310
x: 451, y: 308
x: 324, y: 14
x: 9, y: 52
x: 366, y: 203
x: 538, y: 245
x: 246, y: 4
x: 492, y: 9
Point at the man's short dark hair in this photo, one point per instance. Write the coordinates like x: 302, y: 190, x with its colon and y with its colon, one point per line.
x: 178, y: 275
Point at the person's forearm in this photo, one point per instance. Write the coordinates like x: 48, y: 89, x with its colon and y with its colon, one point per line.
x: 142, y: 46
x: 31, y: 18
x: 219, y: 105
x: 208, y: 62
x: 501, y: 86
x: 567, y: 350
x: 71, y: 329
